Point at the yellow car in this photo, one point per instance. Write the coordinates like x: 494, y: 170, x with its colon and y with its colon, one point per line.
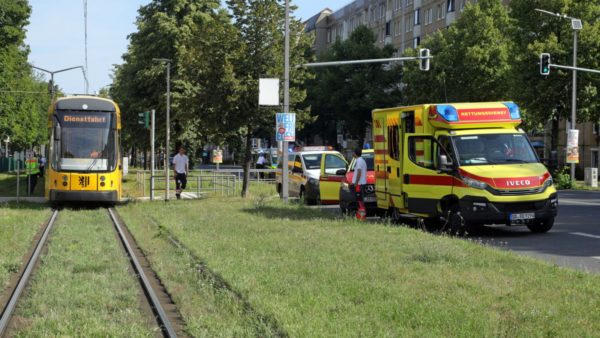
x: 315, y: 175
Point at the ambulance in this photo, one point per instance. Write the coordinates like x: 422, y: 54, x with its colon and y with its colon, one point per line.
x: 460, y: 165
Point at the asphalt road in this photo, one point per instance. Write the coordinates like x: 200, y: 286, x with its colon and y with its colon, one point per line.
x: 574, y: 241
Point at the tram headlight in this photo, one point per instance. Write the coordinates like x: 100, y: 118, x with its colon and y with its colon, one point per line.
x: 102, y: 178
x: 65, y: 178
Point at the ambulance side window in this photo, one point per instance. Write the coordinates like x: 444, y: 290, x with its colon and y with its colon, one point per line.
x: 447, y: 147
x: 393, y: 145
x: 421, y: 151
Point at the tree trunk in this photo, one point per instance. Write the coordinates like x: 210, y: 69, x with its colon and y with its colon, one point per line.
x: 145, y: 159
x: 247, y: 162
x: 133, y: 157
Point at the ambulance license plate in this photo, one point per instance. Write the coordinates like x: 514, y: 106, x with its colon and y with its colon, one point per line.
x: 516, y: 217
x: 370, y: 199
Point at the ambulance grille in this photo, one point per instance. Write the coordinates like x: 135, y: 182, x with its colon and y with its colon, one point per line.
x: 516, y: 192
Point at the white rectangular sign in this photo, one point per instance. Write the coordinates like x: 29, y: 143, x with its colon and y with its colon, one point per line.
x: 268, y: 92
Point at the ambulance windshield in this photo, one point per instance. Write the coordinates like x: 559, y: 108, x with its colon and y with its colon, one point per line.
x: 494, y: 149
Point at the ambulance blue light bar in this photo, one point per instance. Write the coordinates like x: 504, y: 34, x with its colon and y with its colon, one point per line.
x: 515, y: 112
x: 448, y: 112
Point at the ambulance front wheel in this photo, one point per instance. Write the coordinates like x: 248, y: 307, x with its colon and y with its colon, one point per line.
x: 541, y: 226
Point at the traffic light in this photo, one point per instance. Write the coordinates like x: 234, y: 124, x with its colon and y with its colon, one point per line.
x: 144, y: 119
x: 545, y: 64
x: 424, y: 61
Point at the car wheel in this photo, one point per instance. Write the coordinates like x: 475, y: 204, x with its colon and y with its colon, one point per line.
x: 541, y: 226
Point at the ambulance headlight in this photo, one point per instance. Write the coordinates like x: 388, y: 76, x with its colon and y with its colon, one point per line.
x: 448, y: 112
x: 474, y: 183
x: 549, y: 182
x: 313, y: 181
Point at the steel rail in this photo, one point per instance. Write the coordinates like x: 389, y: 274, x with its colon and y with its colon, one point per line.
x: 14, y: 297
x: 164, y: 320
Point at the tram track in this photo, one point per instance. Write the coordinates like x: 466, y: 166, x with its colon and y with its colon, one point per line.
x: 154, y: 299
x: 166, y: 314
x: 25, y: 274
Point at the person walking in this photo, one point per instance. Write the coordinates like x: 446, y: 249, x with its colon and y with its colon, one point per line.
x: 181, y: 170
x: 359, y: 180
x: 32, y: 169
x: 42, y: 165
x: 260, y: 164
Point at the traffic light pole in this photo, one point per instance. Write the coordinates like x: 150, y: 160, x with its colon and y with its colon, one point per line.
x: 355, y: 62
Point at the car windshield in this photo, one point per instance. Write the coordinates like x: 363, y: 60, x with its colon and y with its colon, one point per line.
x: 494, y: 149
x: 312, y: 161
x: 369, y: 158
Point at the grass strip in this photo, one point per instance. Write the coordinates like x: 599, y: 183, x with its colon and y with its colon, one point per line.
x: 316, y: 275
x: 83, y: 286
x: 18, y: 225
x: 8, y: 185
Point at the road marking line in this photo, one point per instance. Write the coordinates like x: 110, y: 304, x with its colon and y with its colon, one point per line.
x: 584, y: 235
x: 596, y: 257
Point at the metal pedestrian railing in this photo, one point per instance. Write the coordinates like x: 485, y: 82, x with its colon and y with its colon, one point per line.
x: 201, y: 183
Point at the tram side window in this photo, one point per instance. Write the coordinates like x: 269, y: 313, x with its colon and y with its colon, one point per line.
x: 393, y: 145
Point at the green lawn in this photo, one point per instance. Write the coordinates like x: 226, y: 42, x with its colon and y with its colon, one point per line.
x: 8, y: 185
x: 83, y: 287
x: 261, y: 268
x: 18, y: 225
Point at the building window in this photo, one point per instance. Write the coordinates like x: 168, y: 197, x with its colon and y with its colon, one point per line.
x: 429, y: 14
x: 416, y: 42
x: 595, y: 159
x: 596, y: 128
x: 438, y: 10
x: 328, y: 35
x: 462, y: 4
x: 449, y: 6
x: 408, y: 3
x: 409, y: 24
x: 388, y: 28
x: 417, y: 19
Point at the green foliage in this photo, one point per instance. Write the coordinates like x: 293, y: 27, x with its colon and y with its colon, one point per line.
x: 550, y: 97
x: 562, y: 178
x: 472, y: 59
x: 23, y: 99
x: 350, y: 93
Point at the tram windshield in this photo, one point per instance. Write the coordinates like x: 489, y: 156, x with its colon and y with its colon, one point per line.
x: 86, y: 141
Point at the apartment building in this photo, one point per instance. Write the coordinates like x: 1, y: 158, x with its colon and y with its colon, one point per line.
x: 401, y: 23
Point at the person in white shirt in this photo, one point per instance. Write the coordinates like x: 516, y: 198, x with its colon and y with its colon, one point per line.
x: 181, y: 169
x: 360, y: 174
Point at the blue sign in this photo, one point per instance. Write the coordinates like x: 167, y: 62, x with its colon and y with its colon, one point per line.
x: 285, y: 127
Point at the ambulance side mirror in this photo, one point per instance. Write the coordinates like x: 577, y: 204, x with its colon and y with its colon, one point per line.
x: 445, y: 165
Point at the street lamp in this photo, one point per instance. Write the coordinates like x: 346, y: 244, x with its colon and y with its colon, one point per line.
x: 286, y: 101
x: 576, y: 25
x: 58, y: 71
x: 167, y: 164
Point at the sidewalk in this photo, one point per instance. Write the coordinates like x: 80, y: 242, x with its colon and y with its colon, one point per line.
x: 23, y: 199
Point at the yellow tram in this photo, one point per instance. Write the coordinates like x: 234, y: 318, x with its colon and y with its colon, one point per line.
x: 84, y: 162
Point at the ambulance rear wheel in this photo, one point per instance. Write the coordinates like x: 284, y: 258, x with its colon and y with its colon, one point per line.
x: 541, y: 226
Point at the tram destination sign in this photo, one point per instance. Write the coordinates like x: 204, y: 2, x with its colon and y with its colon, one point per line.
x: 85, y: 120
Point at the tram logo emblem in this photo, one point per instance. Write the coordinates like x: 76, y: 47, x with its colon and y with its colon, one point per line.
x: 84, y: 181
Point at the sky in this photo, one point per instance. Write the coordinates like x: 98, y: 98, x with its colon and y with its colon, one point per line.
x: 56, y: 38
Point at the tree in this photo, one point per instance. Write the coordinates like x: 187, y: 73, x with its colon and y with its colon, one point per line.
x: 165, y: 29
x: 22, y: 108
x: 349, y: 93
x: 472, y: 59
x: 259, y: 25
x: 548, y: 98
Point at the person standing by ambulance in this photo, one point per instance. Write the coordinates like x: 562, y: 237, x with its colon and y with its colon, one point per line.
x: 181, y: 169
x: 359, y: 180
